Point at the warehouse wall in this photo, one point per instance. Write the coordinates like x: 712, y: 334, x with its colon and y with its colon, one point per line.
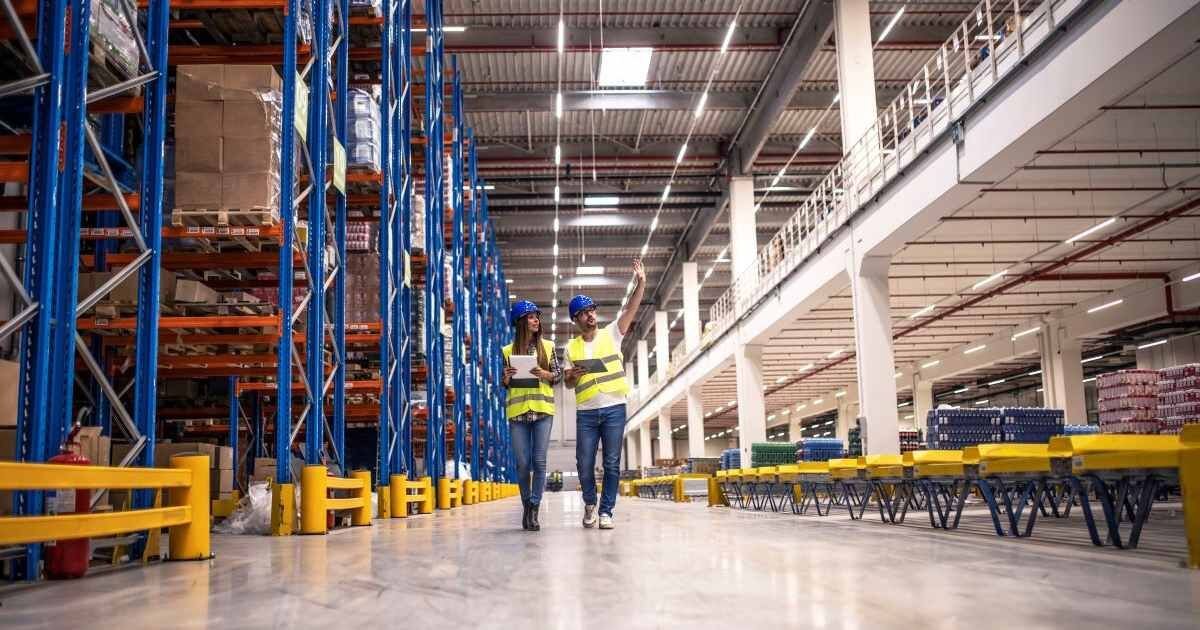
x: 712, y: 448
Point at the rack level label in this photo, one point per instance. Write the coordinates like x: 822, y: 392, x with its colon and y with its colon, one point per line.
x: 339, y: 166
x: 300, y: 117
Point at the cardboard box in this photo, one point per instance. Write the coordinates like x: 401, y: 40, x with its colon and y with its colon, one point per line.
x: 197, y: 119
x: 194, y: 291
x: 247, y: 82
x: 245, y: 120
x: 95, y: 447
x: 265, y: 473
x: 249, y: 191
x: 200, y: 82
x: 199, y: 155
x: 220, y: 483
x: 250, y: 155
x: 9, y: 378
x: 126, y: 292
x: 217, y: 455
x: 197, y: 191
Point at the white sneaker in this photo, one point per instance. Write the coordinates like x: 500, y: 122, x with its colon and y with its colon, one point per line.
x: 606, y: 521
x: 589, y: 516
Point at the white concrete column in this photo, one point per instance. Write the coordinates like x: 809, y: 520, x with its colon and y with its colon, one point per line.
x: 743, y: 233
x: 666, y: 444
x: 644, y: 451
x: 922, y: 402
x: 643, y: 364
x: 856, y: 69
x: 795, y: 426
x: 752, y: 404
x: 662, y: 347
x: 845, y: 421
x: 695, y: 409
x: 691, y: 306
x: 630, y: 375
x: 1062, y: 373
x: 632, y: 458
x: 874, y: 355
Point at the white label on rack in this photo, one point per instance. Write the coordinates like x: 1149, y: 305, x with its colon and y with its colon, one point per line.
x: 63, y: 502
x: 407, y: 269
x: 339, y: 166
x: 300, y: 117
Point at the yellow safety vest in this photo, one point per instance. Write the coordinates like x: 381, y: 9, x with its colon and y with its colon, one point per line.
x: 525, y: 395
x: 612, y: 381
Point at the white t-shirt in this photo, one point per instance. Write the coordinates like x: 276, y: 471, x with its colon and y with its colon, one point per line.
x: 601, y: 399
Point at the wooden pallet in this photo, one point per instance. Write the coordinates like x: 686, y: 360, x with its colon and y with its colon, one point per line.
x: 183, y: 217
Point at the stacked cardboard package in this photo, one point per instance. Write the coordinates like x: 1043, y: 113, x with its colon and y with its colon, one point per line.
x: 227, y: 133
x: 362, y: 288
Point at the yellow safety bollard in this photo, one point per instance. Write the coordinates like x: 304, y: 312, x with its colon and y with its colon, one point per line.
x: 192, y: 541
x: 385, y: 501
x: 362, y: 516
x: 427, y: 503
x: 468, y: 488
x: 399, y: 491
x: 1189, y: 480
x: 283, y: 509
x: 314, y: 489
x: 443, y: 493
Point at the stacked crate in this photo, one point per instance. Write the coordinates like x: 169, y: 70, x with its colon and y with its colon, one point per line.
x: 854, y: 442
x: 1128, y: 402
x: 227, y: 135
x: 772, y: 454
x: 818, y: 449
x: 363, y: 150
x: 959, y: 428
x: 1178, y: 397
x: 1080, y: 429
x: 702, y: 465
x: 362, y: 288
x: 731, y: 459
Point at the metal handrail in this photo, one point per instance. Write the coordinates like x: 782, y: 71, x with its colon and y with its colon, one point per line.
x: 990, y: 43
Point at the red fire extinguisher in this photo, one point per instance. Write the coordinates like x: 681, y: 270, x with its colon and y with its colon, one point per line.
x: 67, y: 559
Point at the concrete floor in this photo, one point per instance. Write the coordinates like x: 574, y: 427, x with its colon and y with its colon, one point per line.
x: 665, y: 566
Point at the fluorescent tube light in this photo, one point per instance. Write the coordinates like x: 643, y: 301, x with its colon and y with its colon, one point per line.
x: 1191, y: 277
x: 728, y: 37
x: 1111, y: 304
x: 589, y: 271
x: 997, y: 381
x: 1152, y: 344
x: 890, y: 25
x: 981, y: 402
x: 1094, y: 228
x: 562, y: 36
x: 834, y: 354
x: 808, y: 136
x: 818, y: 401
x: 558, y: 105
x: 839, y: 395
x: 1025, y: 332
x: 666, y: 192
x: 508, y: 281
x: 930, y: 364
x: 682, y: 152
x: 1091, y: 359
x: 700, y: 105
x: 601, y: 201
x: 961, y: 390
x: 990, y: 279
x: 974, y: 350
x: 924, y: 311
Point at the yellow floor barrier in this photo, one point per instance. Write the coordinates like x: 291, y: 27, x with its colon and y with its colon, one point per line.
x: 315, y: 502
x: 406, y: 493
x: 186, y: 513
x: 449, y: 493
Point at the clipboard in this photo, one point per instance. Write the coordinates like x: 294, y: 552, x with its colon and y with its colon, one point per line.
x: 592, y: 366
x: 524, y: 363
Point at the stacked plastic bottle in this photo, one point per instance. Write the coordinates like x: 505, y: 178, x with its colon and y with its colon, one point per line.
x: 363, y: 148
x: 1128, y: 401
x: 358, y: 237
x: 910, y: 440
x: 1080, y: 429
x: 959, y: 428
x: 772, y: 454
x: 731, y: 458
x: 819, y: 449
x: 1179, y: 397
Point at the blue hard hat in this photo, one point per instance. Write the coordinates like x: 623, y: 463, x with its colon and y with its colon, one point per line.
x: 521, y: 309
x: 580, y: 303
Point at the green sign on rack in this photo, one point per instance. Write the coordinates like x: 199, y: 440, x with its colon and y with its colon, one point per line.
x: 301, y: 112
x: 339, y: 166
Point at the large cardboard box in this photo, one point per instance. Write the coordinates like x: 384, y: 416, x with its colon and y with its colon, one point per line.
x: 163, y: 453
x: 263, y: 473
x: 194, y: 291
x: 126, y: 292
x: 197, y: 191
x: 199, y: 154
x: 9, y: 378
x: 250, y: 155
x: 199, y: 82
x: 251, y: 119
x: 221, y: 483
x: 248, y: 82
x: 250, y: 191
x: 8, y: 450
x: 197, y: 119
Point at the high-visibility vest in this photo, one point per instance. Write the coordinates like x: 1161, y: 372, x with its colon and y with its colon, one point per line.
x: 612, y: 381
x: 531, y: 394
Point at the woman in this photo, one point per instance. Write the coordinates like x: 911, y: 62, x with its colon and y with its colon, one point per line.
x: 530, y: 405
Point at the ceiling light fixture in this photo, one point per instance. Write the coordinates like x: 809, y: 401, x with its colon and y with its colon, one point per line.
x: 1091, y: 359
x: 1096, y: 309
x: 990, y: 279
x: 1152, y: 344
x: 558, y: 105
x: 922, y: 312
x: 834, y: 354
x: 890, y: 25
x: 682, y: 152
x: 982, y: 402
x: 728, y: 37
x: 840, y: 394
x: 930, y: 364
x: 974, y: 350
x: 601, y: 201
x: 700, y: 105
x: 1094, y: 228
x: 1191, y: 277
x: 589, y: 271
x: 1026, y: 332
x: 562, y: 36
x: 997, y: 381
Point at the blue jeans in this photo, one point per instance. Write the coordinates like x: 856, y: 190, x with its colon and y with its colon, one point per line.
x: 595, y: 427
x: 529, y: 443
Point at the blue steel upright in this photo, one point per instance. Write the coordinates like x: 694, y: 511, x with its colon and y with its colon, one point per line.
x: 475, y: 304
x: 287, y: 182
x: 435, y: 432
x: 341, y: 107
x: 461, y: 309
x: 318, y: 155
x: 387, y: 254
x: 404, y: 456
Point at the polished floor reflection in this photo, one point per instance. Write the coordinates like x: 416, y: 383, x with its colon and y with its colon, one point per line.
x: 665, y: 566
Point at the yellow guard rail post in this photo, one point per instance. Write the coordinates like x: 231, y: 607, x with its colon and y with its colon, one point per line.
x: 406, y: 492
x: 1189, y: 481
x: 186, y: 512
x: 315, y: 502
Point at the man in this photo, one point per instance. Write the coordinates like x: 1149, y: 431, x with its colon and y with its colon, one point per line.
x: 596, y: 371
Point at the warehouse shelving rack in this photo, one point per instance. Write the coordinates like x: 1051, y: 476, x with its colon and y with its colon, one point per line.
x: 62, y: 148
